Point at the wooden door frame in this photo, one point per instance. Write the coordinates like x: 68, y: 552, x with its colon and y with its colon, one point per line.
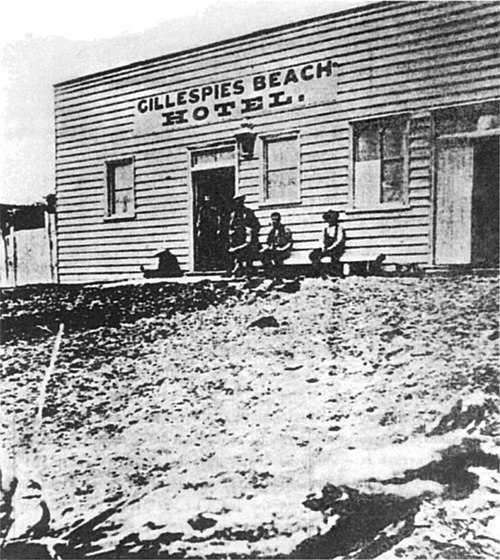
x: 191, y: 197
x: 469, y: 138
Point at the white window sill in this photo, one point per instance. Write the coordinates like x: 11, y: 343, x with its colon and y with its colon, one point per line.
x: 119, y: 217
x: 379, y: 208
x: 279, y: 204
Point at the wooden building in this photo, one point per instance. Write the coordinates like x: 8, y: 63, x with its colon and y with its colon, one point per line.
x: 28, y: 248
x: 387, y: 113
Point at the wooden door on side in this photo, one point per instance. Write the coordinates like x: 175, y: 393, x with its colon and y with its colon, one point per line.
x: 455, y: 164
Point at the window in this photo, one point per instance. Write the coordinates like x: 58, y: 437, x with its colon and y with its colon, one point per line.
x: 120, y: 187
x: 467, y: 118
x: 221, y: 157
x: 281, y: 174
x: 379, y: 163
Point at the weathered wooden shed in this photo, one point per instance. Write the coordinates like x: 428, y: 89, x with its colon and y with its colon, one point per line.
x: 387, y: 113
x: 28, y: 246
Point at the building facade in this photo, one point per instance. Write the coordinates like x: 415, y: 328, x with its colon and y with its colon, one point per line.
x: 387, y: 113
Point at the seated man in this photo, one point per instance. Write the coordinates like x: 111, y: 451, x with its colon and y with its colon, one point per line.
x: 277, y: 249
x: 241, y: 251
x: 332, y: 243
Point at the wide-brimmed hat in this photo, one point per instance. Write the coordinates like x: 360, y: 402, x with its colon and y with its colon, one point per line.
x: 330, y: 215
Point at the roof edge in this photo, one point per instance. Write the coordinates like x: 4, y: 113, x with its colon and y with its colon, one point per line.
x: 364, y: 7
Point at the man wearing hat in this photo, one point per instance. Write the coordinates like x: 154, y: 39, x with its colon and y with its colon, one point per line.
x: 243, y: 237
x: 332, y: 243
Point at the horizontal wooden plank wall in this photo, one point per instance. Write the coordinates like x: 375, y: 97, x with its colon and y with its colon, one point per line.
x: 392, y: 58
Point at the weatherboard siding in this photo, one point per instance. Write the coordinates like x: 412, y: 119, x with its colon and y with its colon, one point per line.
x: 358, y: 36
x: 392, y: 58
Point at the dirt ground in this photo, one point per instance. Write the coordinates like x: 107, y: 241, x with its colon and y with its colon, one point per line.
x: 353, y: 418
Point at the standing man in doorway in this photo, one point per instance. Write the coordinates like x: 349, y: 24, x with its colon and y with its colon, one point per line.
x: 244, y: 230
x: 277, y: 249
x: 207, y: 232
x: 225, y: 208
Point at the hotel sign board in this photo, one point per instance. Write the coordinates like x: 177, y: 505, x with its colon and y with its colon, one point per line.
x: 292, y: 87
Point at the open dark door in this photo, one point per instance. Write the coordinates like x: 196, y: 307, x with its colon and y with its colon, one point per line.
x: 467, y: 212
x: 213, y: 195
x: 485, y: 208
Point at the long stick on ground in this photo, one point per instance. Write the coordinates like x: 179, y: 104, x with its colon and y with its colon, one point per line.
x: 39, y: 416
x: 43, y: 388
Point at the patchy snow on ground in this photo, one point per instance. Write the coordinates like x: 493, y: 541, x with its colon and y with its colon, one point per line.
x: 353, y: 418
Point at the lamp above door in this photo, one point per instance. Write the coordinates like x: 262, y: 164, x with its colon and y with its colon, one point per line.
x: 245, y: 138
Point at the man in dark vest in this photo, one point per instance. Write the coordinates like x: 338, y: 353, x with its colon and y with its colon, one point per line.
x: 244, y: 230
x: 277, y: 249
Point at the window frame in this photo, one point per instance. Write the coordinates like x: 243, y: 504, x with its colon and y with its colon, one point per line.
x: 265, y: 140
x: 355, y: 128
x: 113, y: 163
x: 228, y: 148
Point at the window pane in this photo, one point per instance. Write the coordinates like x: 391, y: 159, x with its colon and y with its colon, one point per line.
x: 213, y: 157
x: 392, y: 181
x: 282, y: 154
x: 121, y: 187
x: 454, y: 120
x: 379, y: 163
x: 392, y: 141
x: 282, y: 186
x: 282, y: 171
x: 367, y: 184
x: 367, y: 144
x: 123, y: 178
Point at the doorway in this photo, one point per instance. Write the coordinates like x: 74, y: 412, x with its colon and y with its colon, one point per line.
x: 213, y: 194
x: 485, y: 208
x: 467, y: 201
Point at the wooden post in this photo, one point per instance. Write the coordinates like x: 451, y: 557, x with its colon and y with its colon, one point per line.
x: 43, y: 388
